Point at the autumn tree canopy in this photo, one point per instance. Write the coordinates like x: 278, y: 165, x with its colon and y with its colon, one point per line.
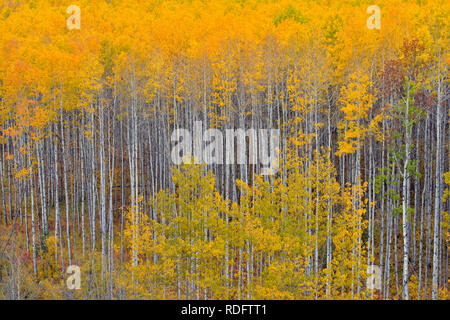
x: 86, y: 175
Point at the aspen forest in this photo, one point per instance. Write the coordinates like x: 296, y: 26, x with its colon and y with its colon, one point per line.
x: 362, y: 172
